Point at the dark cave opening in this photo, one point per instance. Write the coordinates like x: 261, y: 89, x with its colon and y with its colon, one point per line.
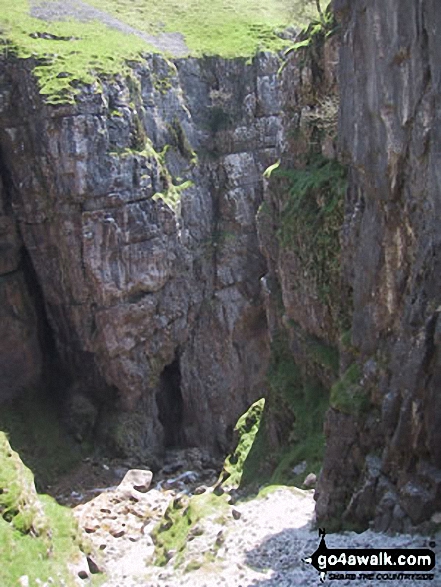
x: 171, y: 405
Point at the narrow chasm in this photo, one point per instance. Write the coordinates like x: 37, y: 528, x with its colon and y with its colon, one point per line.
x: 170, y: 405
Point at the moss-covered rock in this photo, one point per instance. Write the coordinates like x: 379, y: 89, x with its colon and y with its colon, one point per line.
x: 19, y: 504
x: 38, y: 537
x: 347, y: 394
x: 245, y: 432
x: 181, y: 521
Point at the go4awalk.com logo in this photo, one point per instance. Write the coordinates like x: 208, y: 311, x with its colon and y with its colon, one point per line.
x: 372, y: 564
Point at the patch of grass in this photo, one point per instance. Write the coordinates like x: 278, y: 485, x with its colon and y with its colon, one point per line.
x: 67, y: 54
x: 71, y: 53
x: 35, y: 430
x: 38, y: 537
x: 179, y: 521
x: 229, y: 28
x: 347, y: 395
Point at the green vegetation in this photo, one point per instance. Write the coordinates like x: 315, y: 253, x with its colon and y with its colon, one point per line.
x: 323, y: 354
x: 180, y: 522
x: 70, y: 53
x: 229, y: 28
x: 318, y: 353
x: 38, y: 537
x: 246, y: 429
x: 311, y: 220
x: 66, y: 54
x: 316, y: 32
x: 347, y: 394
x: 36, y: 431
x: 297, y: 404
x: 292, y: 391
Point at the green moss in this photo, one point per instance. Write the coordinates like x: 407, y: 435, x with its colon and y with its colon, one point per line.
x: 323, y: 354
x: 306, y: 439
x: 179, y: 520
x: 246, y: 430
x: 347, y: 395
x: 181, y: 142
x: 38, y: 537
x: 346, y: 339
x: 258, y: 465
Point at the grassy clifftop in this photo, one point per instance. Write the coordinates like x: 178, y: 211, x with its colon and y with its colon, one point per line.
x: 75, y: 41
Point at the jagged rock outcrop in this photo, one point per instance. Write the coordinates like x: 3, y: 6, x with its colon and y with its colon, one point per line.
x: 136, y: 207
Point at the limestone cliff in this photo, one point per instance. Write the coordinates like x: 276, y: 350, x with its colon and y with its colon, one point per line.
x: 385, y: 464
x: 132, y: 215
x: 356, y: 311
x: 151, y: 252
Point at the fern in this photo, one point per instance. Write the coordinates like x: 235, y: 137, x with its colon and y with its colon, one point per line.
x: 311, y: 219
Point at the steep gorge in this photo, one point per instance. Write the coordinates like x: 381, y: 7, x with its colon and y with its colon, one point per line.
x: 174, y: 273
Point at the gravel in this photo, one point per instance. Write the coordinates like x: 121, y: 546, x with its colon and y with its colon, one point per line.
x: 263, y: 547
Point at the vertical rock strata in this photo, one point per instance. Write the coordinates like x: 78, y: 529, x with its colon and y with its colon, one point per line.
x: 136, y: 207
x: 385, y: 464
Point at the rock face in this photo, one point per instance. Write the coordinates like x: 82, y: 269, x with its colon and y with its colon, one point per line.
x: 20, y: 353
x: 386, y: 465
x: 130, y: 254
x: 136, y: 209
x: 371, y: 335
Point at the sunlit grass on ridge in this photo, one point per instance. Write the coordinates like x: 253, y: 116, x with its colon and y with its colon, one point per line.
x: 78, y: 52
